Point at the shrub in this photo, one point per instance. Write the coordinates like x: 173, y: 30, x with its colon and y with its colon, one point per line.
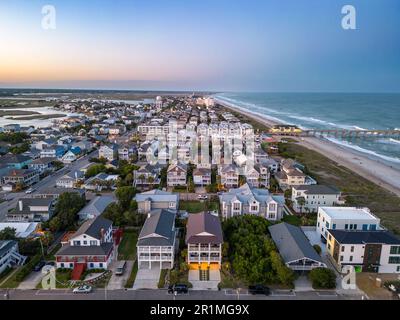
x: 322, y: 278
x: 317, y: 248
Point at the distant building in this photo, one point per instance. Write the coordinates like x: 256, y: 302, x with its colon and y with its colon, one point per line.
x: 32, y: 210
x: 23, y: 230
x: 176, y: 175
x: 95, y: 207
x: 109, y: 152
x: 314, y: 196
x: 248, y: 200
x: 15, y: 161
x: 24, y: 177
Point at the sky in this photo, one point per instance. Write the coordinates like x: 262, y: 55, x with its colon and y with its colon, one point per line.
x: 217, y: 45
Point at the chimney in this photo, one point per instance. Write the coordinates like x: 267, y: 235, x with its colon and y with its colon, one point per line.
x: 20, y: 205
x: 102, y: 234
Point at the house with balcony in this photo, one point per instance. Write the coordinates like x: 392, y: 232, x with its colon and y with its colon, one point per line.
x: 295, y: 249
x: 42, y: 165
x: 176, y: 175
x: 202, y: 176
x: 24, y: 177
x: 70, y: 180
x: 229, y: 175
x: 147, y: 177
x: 32, y: 210
x: 90, y: 247
x: 204, y: 241
x: 311, y: 197
x: 109, y: 152
x: 156, y: 241
x: 249, y: 200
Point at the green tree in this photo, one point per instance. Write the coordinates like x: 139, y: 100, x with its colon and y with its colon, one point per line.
x: 124, y: 196
x: 285, y: 275
x: 8, y: 234
x: 322, y: 278
x: 301, y: 201
x: 95, y: 169
x: 67, y: 207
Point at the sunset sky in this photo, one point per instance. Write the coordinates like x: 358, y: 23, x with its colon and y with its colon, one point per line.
x: 290, y: 45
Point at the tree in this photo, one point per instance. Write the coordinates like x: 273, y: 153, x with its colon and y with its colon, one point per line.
x: 322, y: 278
x: 285, y: 275
x: 125, y: 196
x: 67, y: 207
x: 95, y: 169
x: 8, y: 234
x: 191, y: 186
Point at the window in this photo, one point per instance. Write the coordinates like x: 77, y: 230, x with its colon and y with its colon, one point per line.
x: 93, y: 242
x: 346, y: 226
x: 394, y: 260
x: 101, y: 265
x: 172, y: 204
x: 341, y: 258
x: 91, y: 265
x: 395, y: 250
x: 318, y: 224
x: 355, y: 227
x: 236, y: 206
x: 398, y: 269
x: 342, y: 249
x: 330, y: 237
x: 85, y: 242
x: 329, y: 246
x: 334, y: 226
x: 352, y: 249
x: 77, y: 243
x: 327, y: 224
x: 272, y: 206
x: 372, y: 227
x: 365, y: 227
x: 351, y: 258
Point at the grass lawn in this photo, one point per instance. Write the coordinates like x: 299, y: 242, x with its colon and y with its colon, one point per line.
x: 127, y: 247
x: 132, y: 277
x: 11, y: 282
x: 357, y: 190
x: 195, y: 206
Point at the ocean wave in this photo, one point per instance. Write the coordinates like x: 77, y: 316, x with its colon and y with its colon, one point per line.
x: 362, y: 150
x: 394, y: 141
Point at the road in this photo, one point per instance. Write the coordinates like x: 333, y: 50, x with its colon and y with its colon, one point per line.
x: 101, y: 294
x: 47, y: 182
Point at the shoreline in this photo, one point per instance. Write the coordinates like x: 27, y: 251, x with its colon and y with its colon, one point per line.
x: 372, y: 170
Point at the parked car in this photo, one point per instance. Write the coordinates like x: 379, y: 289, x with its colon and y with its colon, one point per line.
x: 259, y: 289
x: 51, y: 263
x: 39, y: 266
x: 202, y: 197
x: 178, y: 289
x: 120, y: 268
x: 30, y: 190
x: 83, y: 289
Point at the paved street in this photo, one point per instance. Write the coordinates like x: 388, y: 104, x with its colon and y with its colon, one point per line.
x: 101, y: 294
x: 45, y: 183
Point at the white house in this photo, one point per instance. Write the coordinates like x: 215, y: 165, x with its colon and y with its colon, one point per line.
x: 69, y: 157
x: 91, y: 247
x: 156, y: 241
x: 314, y: 196
x: 345, y: 218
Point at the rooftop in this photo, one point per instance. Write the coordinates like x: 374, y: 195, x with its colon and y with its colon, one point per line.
x: 346, y: 213
x: 364, y: 237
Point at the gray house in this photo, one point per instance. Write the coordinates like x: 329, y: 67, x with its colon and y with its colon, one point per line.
x: 157, y: 199
x: 156, y: 241
x: 248, y: 200
x: 294, y: 247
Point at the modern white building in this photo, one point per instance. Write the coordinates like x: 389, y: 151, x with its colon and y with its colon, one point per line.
x: 345, y: 218
x: 368, y: 251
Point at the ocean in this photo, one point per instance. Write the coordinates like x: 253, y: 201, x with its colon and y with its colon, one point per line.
x: 373, y: 111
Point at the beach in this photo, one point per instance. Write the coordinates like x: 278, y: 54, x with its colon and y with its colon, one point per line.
x: 373, y: 170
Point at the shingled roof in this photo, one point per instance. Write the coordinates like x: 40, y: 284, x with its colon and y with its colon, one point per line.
x: 203, y: 228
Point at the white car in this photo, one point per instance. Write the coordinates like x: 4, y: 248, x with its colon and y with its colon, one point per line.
x: 83, y: 289
x: 202, y: 197
x: 30, y: 190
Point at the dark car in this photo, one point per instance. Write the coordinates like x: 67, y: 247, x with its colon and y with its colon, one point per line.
x: 178, y: 288
x: 39, y: 266
x: 51, y: 263
x: 259, y: 289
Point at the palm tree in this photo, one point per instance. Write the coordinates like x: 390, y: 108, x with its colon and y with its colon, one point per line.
x: 300, y: 203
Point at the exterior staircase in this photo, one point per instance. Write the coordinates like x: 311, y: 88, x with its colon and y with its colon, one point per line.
x: 204, y: 275
x: 79, y: 268
x: 18, y: 258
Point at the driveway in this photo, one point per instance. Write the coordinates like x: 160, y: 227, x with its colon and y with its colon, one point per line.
x: 118, y: 282
x: 147, y: 278
x: 31, y: 281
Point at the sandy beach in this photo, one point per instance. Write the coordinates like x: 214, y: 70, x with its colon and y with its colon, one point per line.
x: 373, y: 170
